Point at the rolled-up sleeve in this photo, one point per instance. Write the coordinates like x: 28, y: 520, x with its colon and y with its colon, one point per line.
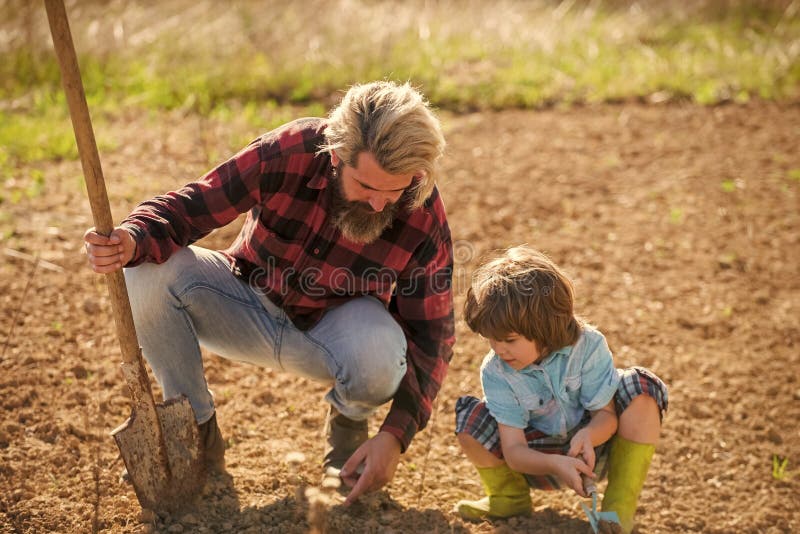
x: 501, y: 401
x: 166, y: 223
x: 599, y: 377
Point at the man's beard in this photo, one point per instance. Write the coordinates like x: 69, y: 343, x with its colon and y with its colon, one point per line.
x: 357, y: 221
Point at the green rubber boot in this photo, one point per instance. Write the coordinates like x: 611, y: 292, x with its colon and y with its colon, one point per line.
x: 628, y: 463
x: 507, y: 495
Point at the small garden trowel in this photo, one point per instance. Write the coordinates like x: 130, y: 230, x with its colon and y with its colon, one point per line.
x: 594, y: 516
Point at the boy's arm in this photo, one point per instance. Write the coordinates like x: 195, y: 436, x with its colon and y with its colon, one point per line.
x: 517, y: 454
x: 524, y: 460
x: 599, y: 430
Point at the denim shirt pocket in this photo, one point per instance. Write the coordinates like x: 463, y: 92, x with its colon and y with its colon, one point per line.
x: 535, y: 404
x: 571, y: 389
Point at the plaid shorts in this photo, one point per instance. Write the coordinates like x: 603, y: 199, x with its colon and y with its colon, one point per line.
x: 474, y: 418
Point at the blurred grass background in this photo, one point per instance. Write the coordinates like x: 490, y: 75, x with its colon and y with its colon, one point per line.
x: 265, y: 62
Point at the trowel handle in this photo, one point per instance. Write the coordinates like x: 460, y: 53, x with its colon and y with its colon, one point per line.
x: 589, y: 485
x: 93, y: 174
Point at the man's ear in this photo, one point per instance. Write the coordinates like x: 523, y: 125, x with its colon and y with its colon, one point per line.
x: 335, y: 158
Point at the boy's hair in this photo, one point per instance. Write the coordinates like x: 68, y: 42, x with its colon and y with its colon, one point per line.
x: 395, y: 124
x: 523, y: 291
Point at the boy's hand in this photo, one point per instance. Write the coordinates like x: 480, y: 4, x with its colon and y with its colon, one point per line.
x: 569, y: 470
x: 581, y: 444
x: 107, y: 254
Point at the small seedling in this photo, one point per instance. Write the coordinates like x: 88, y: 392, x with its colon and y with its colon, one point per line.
x: 779, y: 466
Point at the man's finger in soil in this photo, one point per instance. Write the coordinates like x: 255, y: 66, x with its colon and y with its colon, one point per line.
x: 362, y: 485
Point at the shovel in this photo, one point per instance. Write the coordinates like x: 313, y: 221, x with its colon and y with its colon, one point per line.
x: 594, y: 516
x: 159, y: 443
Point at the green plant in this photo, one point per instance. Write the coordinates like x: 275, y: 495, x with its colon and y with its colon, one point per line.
x: 779, y: 466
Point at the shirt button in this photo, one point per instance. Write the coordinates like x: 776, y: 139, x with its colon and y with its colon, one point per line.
x: 316, y: 251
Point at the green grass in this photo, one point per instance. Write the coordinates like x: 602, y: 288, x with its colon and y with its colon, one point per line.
x: 465, y: 55
x: 35, y: 136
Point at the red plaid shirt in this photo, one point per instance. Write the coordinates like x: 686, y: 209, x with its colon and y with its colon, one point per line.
x: 289, y: 249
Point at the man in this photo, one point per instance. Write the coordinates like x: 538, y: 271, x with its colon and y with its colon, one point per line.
x: 341, y: 273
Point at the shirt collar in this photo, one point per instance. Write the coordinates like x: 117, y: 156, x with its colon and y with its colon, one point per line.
x: 563, y: 351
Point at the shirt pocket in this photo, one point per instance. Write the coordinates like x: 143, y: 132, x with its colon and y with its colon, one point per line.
x: 571, y: 391
x: 277, y: 257
x: 289, y: 244
x: 535, y: 404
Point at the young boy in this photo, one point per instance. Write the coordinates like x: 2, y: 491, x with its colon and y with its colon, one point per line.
x: 556, y: 411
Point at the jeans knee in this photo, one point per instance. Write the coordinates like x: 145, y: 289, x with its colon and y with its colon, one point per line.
x: 377, y: 380
x: 376, y: 364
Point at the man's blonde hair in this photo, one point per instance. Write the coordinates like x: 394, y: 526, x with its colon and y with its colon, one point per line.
x: 522, y: 291
x: 395, y: 124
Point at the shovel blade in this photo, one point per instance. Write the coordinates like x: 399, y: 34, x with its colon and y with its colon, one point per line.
x: 166, y: 475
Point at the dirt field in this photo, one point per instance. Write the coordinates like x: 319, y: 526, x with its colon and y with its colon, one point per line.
x: 680, y: 225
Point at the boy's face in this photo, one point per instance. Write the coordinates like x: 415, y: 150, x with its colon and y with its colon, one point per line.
x: 516, y: 350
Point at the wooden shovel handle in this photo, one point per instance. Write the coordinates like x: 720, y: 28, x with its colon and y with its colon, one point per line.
x: 589, y: 485
x: 93, y: 173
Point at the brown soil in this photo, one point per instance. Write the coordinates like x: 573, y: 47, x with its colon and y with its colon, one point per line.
x: 680, y: 225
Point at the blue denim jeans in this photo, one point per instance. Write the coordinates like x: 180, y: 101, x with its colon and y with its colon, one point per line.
x: 194, y: 300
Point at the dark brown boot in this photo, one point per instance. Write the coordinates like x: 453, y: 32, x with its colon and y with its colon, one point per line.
x: 342, y: 437
x: 213, y: 445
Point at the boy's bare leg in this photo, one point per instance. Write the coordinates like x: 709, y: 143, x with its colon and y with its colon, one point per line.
x: 476, y: 453
x: 641, y: 422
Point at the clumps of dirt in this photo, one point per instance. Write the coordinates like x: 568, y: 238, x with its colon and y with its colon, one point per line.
x: 318, y: 502
x: 679, y: 225
x: 609, y: 527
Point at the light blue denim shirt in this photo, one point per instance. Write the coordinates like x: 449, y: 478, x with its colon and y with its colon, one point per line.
x: 551, y: 396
